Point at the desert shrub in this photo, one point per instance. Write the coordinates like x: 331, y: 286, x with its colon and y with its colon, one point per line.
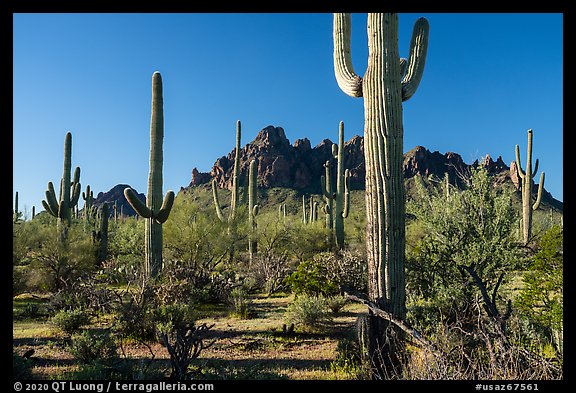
x: 183, y: 339
x: 348, y: 363
x: 197, y: 248
x: 21, y: 367
x: 134, y: 315
x: 241, y: 303
x: 310, y: 312
x: 272, y: 264
x: 70, y: 321
x: 311, y: 277
x: 541, y: 297
x: 93, y: 347
x: 474, y: 226
x: 327, y: 272
x: 336, y: 302
x: 55, y: 265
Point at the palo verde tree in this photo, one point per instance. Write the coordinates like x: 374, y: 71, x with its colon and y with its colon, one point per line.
x: 388, y: 81
x: 156, y: 210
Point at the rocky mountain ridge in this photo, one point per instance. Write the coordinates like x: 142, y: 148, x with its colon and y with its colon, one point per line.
x: 299, y: 165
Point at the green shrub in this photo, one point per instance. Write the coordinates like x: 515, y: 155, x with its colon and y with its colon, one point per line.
x: 336, y: 302
x: 308, y: 311
x: 240, y: 303
x: 21, y: 367
x: 311, y: 278
x: 70, y: 321
x: 90, y: 347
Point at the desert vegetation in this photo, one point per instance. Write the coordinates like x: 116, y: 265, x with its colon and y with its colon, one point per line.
x: 408, y: 279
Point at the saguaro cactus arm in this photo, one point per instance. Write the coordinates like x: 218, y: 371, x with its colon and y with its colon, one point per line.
x: 540, y: 187
x: 416, y: 60
x: 347, y: 79
x: 346, y: 194
x: 217, y: 201
x: 51, y: 204
x: 139, y: 206
x: 164, y: 211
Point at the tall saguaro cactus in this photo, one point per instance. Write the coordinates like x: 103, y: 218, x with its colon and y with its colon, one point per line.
x: 527, y: 177
x: 253, y: 207
x: 230, y: 220
x: 342, y: 197
x: 69, y: 192
x: 235, y: 185
x: 388, y: 81
x: 156, y: 210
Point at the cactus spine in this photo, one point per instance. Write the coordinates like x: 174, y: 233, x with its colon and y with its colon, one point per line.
x: 253, y: 207
x: 62, y: 207
x: 388, y: 81
x: 156, y: 210
x: 527, y: 177
x: 342, y: 197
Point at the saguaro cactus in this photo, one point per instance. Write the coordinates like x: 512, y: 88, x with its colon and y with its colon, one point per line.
x: 328, y: 192
x: 342, y: 196
x: 69, y: 192
x: 527, y: 177
x: 253, y: 207
x: 388, y: 81
x: 103, y: 234
x: 235, y: 185
x: 16, y: 213
x: 156, y: 210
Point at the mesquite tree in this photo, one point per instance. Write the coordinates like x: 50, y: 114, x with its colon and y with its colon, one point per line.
x: 156, y: 210
x: 388, y: 81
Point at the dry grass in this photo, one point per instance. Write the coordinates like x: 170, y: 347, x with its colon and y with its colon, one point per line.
x: 254, y: 348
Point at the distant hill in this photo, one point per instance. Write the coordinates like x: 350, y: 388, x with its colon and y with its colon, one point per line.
x: 116, y: 195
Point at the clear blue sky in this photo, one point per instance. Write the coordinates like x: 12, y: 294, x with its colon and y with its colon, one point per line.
x: 488, y: 79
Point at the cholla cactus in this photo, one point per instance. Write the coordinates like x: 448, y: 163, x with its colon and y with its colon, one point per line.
x: 156, y: 210
x: 527, y: 177
x: 62, y: 207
